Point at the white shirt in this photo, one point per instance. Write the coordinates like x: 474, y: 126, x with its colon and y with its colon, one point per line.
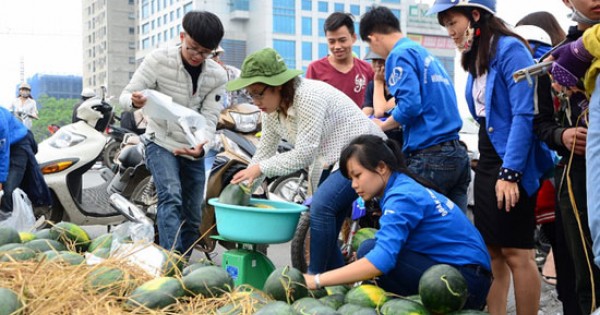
x: 19, y: 108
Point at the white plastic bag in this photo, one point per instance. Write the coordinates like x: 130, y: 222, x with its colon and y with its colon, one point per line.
x: 22, y: 218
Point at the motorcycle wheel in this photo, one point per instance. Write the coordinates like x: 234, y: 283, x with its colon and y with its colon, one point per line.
x: 300, y: 246
x: 54, y: 213
x: 292, y: 187
x: 108, y: 155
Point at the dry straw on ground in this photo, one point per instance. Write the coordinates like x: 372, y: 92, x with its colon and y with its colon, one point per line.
x: 53, y: 288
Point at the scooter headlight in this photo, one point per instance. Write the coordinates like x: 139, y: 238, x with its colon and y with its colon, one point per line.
x: 245, y: 122
x: 64, y: 139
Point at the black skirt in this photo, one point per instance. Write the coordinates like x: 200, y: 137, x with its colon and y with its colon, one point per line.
x: 499, y: 228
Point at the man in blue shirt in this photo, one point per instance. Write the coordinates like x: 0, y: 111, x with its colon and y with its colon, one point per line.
x: 425, y: 106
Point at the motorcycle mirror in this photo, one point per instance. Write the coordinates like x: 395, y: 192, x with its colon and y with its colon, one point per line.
x: 103, y: 92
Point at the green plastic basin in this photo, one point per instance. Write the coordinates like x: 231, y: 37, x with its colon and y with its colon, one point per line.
x: 257, y: 225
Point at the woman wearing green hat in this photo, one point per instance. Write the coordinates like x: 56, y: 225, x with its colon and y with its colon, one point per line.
x: 319, y: 121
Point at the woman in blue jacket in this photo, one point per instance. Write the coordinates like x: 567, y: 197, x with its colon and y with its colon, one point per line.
x: 419, y: 227
x: 512, y: 160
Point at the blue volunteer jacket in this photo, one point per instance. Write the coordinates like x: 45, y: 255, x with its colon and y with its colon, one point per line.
x: 423, y: 221
x: 509, y: 110
x: 425, y: 98
x: 12, y: 130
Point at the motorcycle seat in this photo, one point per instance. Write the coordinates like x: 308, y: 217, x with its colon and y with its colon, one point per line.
x: 132, y: 155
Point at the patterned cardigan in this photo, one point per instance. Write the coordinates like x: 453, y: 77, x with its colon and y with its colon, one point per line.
x: 320, y: 122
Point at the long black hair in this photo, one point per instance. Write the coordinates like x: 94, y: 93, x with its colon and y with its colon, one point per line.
x: 370, y: 150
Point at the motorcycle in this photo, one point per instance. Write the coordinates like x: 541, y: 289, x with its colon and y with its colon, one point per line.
x: 116, y: 135
x: 66, y: 156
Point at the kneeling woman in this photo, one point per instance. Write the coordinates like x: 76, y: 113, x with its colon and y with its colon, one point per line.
x: 419, y: 227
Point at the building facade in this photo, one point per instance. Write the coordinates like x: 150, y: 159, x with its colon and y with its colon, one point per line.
x: 53, y: 85
x: 116, y: 39
x: 109, y: 44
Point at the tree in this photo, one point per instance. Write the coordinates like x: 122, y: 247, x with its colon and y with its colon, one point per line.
x: 52, y: 111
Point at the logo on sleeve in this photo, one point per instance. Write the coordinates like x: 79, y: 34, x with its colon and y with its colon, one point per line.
x: 395, y: 76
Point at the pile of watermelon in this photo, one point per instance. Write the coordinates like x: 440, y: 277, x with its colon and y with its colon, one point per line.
x: 203, y: 288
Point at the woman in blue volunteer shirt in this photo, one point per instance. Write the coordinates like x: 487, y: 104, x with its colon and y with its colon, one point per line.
x: 512, y: 160
x: 419, y: 227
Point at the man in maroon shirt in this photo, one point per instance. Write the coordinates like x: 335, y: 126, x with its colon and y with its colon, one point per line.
x: 340, y: 69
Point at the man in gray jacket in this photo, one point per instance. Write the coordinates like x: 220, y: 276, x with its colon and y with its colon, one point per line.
x: 189, y: 75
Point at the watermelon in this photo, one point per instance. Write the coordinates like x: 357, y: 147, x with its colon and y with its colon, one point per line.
x: 286, y: 284
x: 305, y: 304
x: 172, y: 262
x: 334, y: 301
x: 104, y: 279
x: 43, y: 234
x: 9, y: 235
x: 156, y: 293
x: 245, y: 300
x: 102, y: 241
x: 353, y: 309
x: 318, y: 293
x: 64, y: 257
x: 102, y: 253
x: 9, y: 302
x: 70, y: 234
x: 210, y: 281
x: 276, y: 308
x: 235, y: 194
x: 335, y: 289
x: 367, y: 295
x: 27, y: 236
x: 197, y: 265
x: 42, y: 245
x: 361, y: 236
x: 403, y: 306
x: 20, y: 253
x: 443, y: 289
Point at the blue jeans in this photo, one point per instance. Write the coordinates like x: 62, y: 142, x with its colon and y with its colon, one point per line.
x: 330, y: 205
x: 448, y: 167
x: 180, y: 187
x: 410, y: 266
x: 592, y: 152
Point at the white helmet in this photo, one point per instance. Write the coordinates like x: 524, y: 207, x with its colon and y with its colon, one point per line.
x: 24, y: 85
x: 88, y: 112
x: 533, y: 33
x: 88, y: 92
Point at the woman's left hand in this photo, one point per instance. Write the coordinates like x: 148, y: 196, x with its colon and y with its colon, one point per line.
x: 196, y: 151
x: 507, y: 194
x: 249, y: 175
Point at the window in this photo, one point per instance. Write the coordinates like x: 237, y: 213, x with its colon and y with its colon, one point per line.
x: 131, y: 45
x: 132, y: 60
x: 152, y: 23
x: 165, y: 19
x: 284, y: 16
x: 145, y: 43
x: 187, y: 8
x: 307, y: 51
x: 320, y: 26
x: 178, y: 13
x: 323, y: 50
x: 323, y: 6
x: 355, y: 9
x: 145, y: 9
x: 131, y: 31
x: 287, y: 50
x: 131, y: 2
x: 306, y: 26
x: 338, y: 7
x: 159, y: 38
x: 166, y: 35
x: 158, y: 21
x: 171, y: 15
x: 390, y: 1
x: 242, y: 5
x: 145, y: 28
x: 307, y: 5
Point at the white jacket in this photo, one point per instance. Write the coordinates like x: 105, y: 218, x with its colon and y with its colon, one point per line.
x: 163, y: 70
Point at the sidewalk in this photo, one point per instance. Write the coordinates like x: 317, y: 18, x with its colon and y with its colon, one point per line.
x: 549, y: 303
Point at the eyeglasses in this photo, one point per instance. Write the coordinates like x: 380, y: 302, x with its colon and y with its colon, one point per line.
x: 259, y: 96
x: 205, y: 54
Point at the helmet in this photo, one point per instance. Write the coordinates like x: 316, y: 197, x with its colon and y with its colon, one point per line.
x: 443, y: 5
x: 24, y: 85
x: 533, y: 33
x: 87, y: 92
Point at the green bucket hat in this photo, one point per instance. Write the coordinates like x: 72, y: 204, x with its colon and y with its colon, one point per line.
x: 264, y: 66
